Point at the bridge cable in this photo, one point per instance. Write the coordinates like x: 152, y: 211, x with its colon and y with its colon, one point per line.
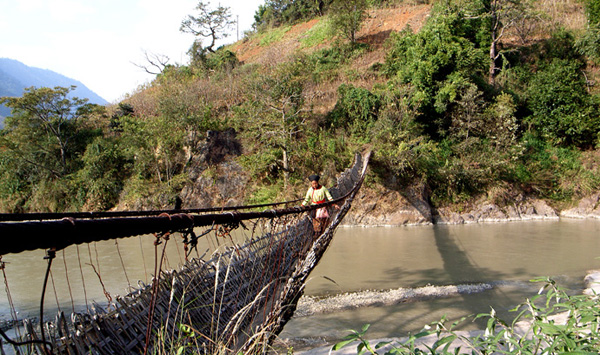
x: 87, y: 306
x: 123, y: 264
x: 14, y: 316
x: 50, y: 255
x: 68, y: 282
x: 155, y: 283
x: 54, y: 289
x: 97, y: 272
x: 143, y: 260
x: 13, y: 311
x: 40, y: 216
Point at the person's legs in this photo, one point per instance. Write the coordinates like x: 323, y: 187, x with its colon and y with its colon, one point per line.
x: 316, y: 226
x: 319, y: 225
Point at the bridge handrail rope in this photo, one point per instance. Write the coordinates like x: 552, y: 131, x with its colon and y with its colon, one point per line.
x: 41, y: 216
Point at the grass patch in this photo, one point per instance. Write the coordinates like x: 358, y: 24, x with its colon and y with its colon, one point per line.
x: 274, y: 35
x: 317, y: 34
x: 265, y: 194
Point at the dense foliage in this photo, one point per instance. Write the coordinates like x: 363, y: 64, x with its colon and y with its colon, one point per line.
x: 429, y: 110
x: 280, y: 12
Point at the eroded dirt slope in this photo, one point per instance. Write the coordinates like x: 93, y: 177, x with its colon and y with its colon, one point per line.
x: 375, y: 31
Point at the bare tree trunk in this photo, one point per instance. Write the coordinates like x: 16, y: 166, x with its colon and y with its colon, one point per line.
x: 493, y: 48
x: 493, y: 55
x: 286, y: 168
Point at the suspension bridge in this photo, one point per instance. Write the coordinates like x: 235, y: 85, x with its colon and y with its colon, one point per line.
x: 234, y: 297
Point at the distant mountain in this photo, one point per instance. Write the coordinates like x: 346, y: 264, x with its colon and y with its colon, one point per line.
x: 16, y: 76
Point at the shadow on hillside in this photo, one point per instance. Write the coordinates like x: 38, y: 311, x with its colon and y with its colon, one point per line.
x: 375, y: 39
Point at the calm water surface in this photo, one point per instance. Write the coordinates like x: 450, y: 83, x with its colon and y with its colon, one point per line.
x: 358, y: 259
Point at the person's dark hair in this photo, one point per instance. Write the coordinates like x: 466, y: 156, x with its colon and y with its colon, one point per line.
x: 314, y: 178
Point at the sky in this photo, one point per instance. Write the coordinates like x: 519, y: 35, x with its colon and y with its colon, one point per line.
x: 97, y: 42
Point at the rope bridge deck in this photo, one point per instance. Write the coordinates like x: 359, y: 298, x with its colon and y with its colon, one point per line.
x: 237, y: 298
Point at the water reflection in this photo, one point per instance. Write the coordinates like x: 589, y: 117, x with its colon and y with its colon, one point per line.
x: 386, y: 258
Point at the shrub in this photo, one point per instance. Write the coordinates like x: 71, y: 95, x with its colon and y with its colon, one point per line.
x: 347, y: 17
x: 222, y: 59
x: 589, y: 43
x: 356, y: 109
x: 282, y: 12
x: 592, y: 9
x: 552, y: 172
x: 560, y: 46
x: 563, y: 111
x: 580, y: 333
x: 325, y: 64
x: 436, y: 62
x: 100, y: 181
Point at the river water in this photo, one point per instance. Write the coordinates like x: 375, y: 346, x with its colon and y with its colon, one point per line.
x: 506, y: 255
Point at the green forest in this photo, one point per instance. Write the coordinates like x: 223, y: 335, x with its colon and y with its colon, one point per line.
x: 487, y: 97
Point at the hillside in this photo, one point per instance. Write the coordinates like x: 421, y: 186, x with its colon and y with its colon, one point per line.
x: 376, y: 29
x: 267, y: 48
x: 306, y: 37
x: 248, y: 123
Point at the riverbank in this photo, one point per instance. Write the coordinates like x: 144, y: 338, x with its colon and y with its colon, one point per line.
x: 411, y: 207
x: 592, y: 284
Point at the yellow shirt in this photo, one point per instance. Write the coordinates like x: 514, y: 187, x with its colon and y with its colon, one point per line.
x: 319, y: 195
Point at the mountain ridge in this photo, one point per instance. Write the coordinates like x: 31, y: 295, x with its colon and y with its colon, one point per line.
x: 16, y: 76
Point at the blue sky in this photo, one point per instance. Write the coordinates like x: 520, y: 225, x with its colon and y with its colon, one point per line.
x: 97, y: 41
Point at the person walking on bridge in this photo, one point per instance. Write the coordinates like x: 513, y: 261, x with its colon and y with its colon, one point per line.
x: 315, y: 195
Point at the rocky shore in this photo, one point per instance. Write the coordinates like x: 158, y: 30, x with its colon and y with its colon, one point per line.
x: 392, y: 208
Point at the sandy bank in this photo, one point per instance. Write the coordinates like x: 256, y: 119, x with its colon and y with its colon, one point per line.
x: 311, y: 305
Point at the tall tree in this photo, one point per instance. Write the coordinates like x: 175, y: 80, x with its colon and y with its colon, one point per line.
x: 347, y: 17
x: 502, y: 15
x: 277, y: 107
x: 210, y: 23
x: 44, y: 127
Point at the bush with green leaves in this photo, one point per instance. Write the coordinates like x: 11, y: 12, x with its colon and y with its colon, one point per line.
x: 562, y: 110
x: 282, y: 12
x: 534, y: 330
x: 325, y: 64
x: 552, y: 172
x: 100, y: 180
x: 560, y: 45
x: 592, y: 9
x: 347, y: 17
x: 589, y: 43
x: 220, y: 60
x: 356, y: 110
x: 435, y: 62
x: 40, y: 148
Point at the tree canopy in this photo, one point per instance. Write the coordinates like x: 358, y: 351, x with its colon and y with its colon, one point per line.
x: 211, y: 23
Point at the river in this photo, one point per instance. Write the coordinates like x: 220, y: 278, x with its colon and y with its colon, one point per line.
x: 505, y: 255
